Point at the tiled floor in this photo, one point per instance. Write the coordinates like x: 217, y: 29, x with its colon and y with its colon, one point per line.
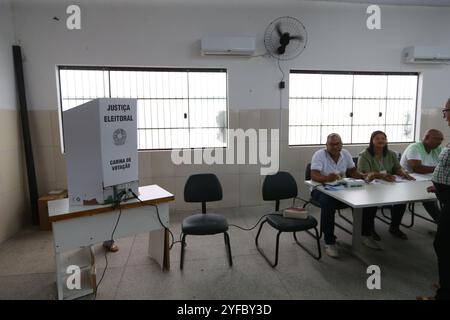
x: 408, y: 268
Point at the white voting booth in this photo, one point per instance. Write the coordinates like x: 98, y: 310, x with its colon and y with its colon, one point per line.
x: 101, y: 150
x: 102, y: 166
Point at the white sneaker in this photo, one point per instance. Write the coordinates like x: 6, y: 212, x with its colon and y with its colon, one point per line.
x: 369, y: 242
x: 332, y: 250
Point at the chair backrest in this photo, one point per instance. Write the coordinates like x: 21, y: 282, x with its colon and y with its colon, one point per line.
x: 204, y: 187
x: 308, y: 172
x: 279, y: 186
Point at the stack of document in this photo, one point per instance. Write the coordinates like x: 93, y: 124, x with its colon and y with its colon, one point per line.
x: 351, y: 183
x: 296, y: 213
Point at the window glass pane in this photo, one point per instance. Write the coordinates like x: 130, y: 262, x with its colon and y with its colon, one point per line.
x: 336, y: 111
x: 207, y: 85
x: 209, y: 137
x: 362, y: 133
x: 399, y: 133
x: 400, y: 112
x: 352, y: 105
x: 337, y: 86
x: 402, y: 87
x: 85, y: 85
x: 170, y: 104
x: 304, y: 135
x: 370, y: 86
x: 343, y: 131
x: 303, y: 85
x: 207, y: 113
x: 369, y: 112
x: 305, y: 112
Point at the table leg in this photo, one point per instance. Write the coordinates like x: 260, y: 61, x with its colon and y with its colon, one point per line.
x: 157, y: 244
x: 59, y: 280
x: 357, y: 228
x: 356, y: 236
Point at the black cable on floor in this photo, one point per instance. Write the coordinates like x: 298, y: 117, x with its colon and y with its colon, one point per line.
x: 116, y: 204
x: 159, y: 218
x: 245, y: 229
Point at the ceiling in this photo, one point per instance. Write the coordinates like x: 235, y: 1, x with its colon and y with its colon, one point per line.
x: 445, y: 3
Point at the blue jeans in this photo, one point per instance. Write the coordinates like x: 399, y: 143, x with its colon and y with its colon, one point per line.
x: 328, y: 207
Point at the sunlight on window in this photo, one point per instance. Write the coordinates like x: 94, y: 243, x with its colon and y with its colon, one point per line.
x: 351, y: 104
x: 176, y: 109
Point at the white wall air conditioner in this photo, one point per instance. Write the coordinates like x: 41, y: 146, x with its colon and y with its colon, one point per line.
x: 422, y: 54
x: 237, y: 46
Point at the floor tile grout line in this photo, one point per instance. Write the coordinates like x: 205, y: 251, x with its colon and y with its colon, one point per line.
x: 124, y: 268
x: 27, y: 274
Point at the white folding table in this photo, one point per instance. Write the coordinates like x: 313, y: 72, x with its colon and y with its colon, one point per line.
x: 375, y: 195
x: 78, y: 228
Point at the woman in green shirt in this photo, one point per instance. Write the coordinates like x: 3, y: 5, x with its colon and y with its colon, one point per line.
x: 378, y: 162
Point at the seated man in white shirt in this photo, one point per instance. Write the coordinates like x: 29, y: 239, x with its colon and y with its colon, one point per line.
x: 422, y: 157
x: 328, y: 165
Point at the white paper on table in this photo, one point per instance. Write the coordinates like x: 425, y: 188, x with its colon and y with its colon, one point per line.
x: 417, y: 176
x: 377, y: 181
x: 422, y: 176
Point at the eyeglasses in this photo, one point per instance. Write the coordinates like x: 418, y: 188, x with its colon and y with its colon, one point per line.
x: 444, y: 111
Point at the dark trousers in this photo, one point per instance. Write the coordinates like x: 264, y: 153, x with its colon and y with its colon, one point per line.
x: 369, y: 214
x: 442, y: 242
x: 328, y: 206
x: 432, y: 209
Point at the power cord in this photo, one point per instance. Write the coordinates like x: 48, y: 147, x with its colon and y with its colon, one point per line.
x: 281, y: 70
x: 115, y: 206
x: 159, y: 218
x: 249, y: 229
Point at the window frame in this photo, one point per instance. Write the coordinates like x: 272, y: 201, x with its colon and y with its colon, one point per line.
x: 140, y: 68
x: 338, y: 72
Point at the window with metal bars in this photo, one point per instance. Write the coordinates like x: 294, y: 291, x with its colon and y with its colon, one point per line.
x: 352, y: 104
x: 177, y: 107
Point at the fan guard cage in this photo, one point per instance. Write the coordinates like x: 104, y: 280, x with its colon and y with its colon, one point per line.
x: 287, y: 24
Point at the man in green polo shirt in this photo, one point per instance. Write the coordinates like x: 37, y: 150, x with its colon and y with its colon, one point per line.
x: 422, y: 157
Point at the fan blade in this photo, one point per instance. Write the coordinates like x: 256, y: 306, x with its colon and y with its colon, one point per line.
x: 278, y: 28
x: 281, y: 50
x: 300, y: 38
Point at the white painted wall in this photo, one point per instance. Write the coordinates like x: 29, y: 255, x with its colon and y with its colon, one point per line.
x: 7, y: 85
x: 142, y: 35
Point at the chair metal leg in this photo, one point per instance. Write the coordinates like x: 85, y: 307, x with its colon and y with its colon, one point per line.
x: 343, y: 228
x: 387, y: 219
x: 337, y: 225
x: 306, y: 249
x: 183, y: 244
x: 346, y: 220
x: 411, y: 208
x: 228, y: 248
x: 272, y: 264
